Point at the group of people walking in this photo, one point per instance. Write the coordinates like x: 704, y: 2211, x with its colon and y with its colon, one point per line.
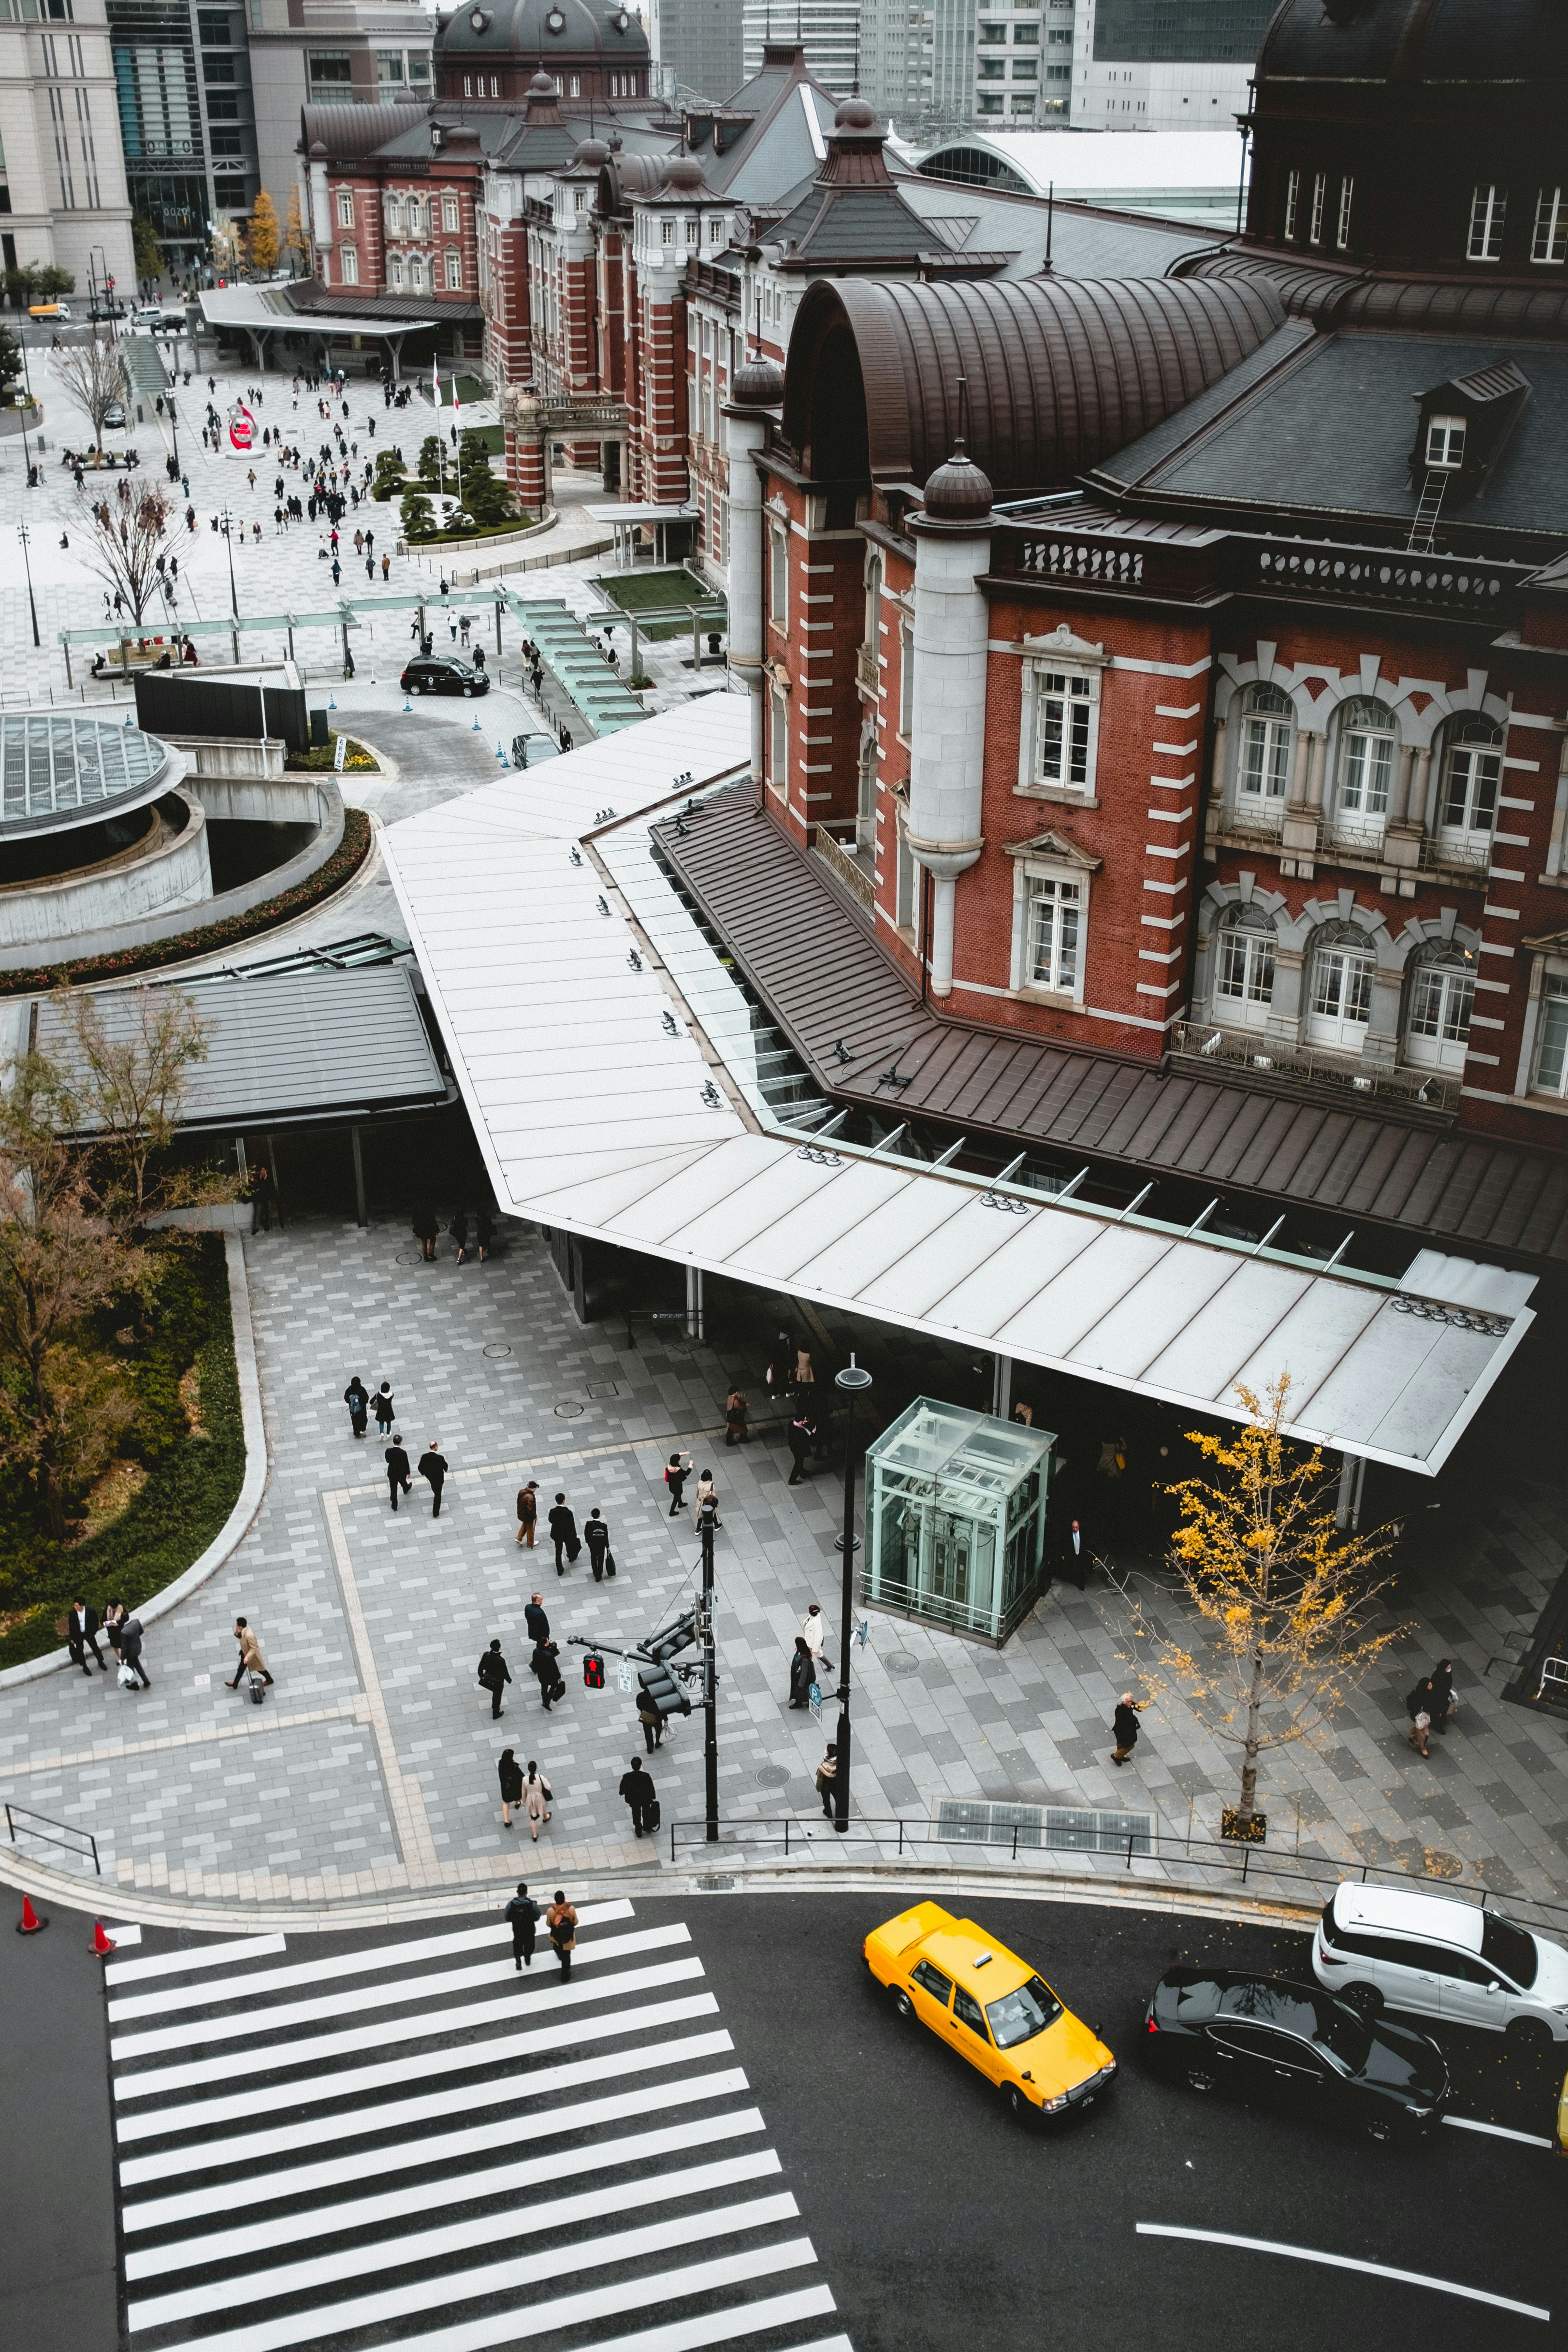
x: 82, y: 1625
x: 477, y: 1233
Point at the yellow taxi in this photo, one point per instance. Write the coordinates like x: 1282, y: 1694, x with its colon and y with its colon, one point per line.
x: 991, y: 2007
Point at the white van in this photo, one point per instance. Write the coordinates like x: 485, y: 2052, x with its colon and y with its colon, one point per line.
x: 1442, y: 1958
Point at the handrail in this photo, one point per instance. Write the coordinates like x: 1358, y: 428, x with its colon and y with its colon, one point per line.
x: 1029, y: 1842
x: 43, y: 1836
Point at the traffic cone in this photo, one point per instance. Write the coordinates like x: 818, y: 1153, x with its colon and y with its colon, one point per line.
x: 476, y: 727
x: 30, y: 1924
x: 102, y: 1945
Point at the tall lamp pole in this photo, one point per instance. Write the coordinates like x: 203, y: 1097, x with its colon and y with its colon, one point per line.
x: 227, y: 521
x: 852, y: 1383
x: 32, y: 607
x: 709, y: 1677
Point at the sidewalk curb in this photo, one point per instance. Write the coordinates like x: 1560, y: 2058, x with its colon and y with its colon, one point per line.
x: 252, y: 1488
x: 103, y: 1898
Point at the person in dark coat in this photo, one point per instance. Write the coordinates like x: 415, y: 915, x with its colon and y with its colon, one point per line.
x: 735, y: 1410
x: 523, y: 1915
x: 676, y: 1470
x: 509, y: 1771
x: 130, y: 1651
x: 459, y: 1229
x: 356, y: 1396
x: 545, y: 1664
x: 81, y: 1635
x: 649, y: 1717
x: 433, y: 1467
x: 427, y: 1230
x: 1440, y: 1683
x: 383, y: 1409
x: 596, y: 1536
x: 484, y: 1231
x: 802, y: 1673
x: 1074, y: 1553
x: 534, y: 1618
x: 494, y: 1674
x: 637, y: 1793
x: 563, y: 1534
x: 1125, y: 1726
x: 527, y: 1512
x: 397, y: 1469
x: 802, y: 1438
x: 561, y: 1921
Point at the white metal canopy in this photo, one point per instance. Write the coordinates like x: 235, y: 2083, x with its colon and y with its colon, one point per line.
x: 553, y: 982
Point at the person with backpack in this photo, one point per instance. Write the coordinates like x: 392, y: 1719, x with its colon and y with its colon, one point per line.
x: 523, y: 1916
x: 494, y: 1674
x: 596, y: 1536
x: 356, y: 1396
x: 561, y: 1924
x: 563, y: 1534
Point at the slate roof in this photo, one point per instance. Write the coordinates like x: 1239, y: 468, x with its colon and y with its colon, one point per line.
x: 777, y: 151
x: 817, y: 965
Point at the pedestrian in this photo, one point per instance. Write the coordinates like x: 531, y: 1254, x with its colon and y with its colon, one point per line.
x: 804, y: 1378
x: 385, y: 567
x: 1074, y: 1553
x: 356, y: 1396
x: 1125, y: 1727
x: 563, y: 1534
x: 561, y: 1922
x: 534, y: 1618
x: 484, y: 1231
x: 802, y: 1432
x: 427, y: 1230
x: 537, y: 1796
x: 545, y: 1667
x: 528, y: 1513
x: 828, y: 1778
x: 113, y: 1619
x: 1440, y: 1683
x: 459, y: 1229
x: 397, y: 1469
x: 261, y: 1200
x: 494, y: 1674
x: 81, y: 1630
x: 735, y: 1410
x: 385, y: 1413
x: 707, y: 1500
x: 814, y: 1628
x: 802, y: 1673
x: 1420, y: 1718
x: 649, y: 1717
x: 676, y: 1470
x: 251, y: 1661
x: 637, y: 1794
x: 509, y: 1771
x: 130, y: 1647
x: 596, y: 1536
x: 433, y: 1467
x: 523, y: 1915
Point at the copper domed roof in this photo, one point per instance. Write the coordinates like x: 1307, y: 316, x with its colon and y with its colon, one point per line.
x: 958, y: 491
x: 757, y: 382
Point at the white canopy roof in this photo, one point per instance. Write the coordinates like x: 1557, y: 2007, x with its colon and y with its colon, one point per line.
x: 593, y: 1118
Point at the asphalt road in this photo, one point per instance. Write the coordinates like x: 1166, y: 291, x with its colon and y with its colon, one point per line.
x: 935, y: 2218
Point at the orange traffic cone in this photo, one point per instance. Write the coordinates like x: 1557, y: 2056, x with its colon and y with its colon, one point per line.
x: 30, y: 1924
x: 102, y: 1945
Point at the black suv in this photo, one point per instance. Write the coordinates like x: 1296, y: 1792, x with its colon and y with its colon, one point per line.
x: 443, y: 674
x: 1268, y: 2038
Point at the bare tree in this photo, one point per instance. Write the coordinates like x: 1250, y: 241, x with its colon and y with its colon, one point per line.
x: 123, y: 525
x: 120, y: 1076
x: 94, y: 375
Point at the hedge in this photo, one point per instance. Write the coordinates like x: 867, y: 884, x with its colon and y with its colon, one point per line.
x: 192, y: 1486
x: 344, y: 862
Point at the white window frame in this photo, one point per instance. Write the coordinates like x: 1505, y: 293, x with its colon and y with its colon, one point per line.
x: 449, y: 220
x: 1271, y: 733
x: 1292, y: 202
x: 1343, y: 225
x: 1333, y: 1029
x: 454, y: 270
x: 906, y: 680
x: 1438, y: 1050
x: 1549, y: 244
x: 1248, y: 1009
x: 1039, y: 881
x: 1320, y: 200
x: 1060, y: 758
x: 348, y: 265
x: 1489, y: 211
x: 778, y: 576
x: 1369, y: 773
x: 396, y: 271
x: 345, y: 208
x: 1445, y: 437
x: 1543, y: 1042
x: 778, y: 743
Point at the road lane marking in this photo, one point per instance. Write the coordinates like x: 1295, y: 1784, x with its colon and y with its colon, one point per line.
x: 1498, y: 2131
x: 1343, y: 2263
x: 213, y: 1956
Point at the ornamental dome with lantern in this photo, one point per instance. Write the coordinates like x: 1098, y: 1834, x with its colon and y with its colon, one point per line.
x: 592, y: 49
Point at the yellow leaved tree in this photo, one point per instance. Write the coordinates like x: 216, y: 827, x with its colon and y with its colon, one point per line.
x: 1282, y: 1595
x: 262, y: 242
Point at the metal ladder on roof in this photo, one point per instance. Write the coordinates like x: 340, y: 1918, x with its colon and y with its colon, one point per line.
x: 1424, y: 528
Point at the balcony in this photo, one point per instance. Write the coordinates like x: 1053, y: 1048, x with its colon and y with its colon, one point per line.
x: 1441, y: 854
x: 854, y: 873
x: 867, y: 674
x: 1200, y: 1044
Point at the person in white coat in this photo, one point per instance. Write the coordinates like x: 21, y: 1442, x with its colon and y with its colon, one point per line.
x: 814, y: 1625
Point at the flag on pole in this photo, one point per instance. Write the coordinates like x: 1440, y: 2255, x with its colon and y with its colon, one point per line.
x: 436, y: 380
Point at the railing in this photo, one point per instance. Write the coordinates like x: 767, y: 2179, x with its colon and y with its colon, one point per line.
x: 1447, y: 582
x: 1152, y: 1854
x: 1437, y: 855
x: 81, y: 1853
x: 849, y: 870
x: 1257, y: 824
x: 866, y: 670
x: 1108, y: 560
x: 1211, y: 1042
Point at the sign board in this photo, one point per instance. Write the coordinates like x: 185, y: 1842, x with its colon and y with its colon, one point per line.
x: 341, y: 754
x: 815, y: 1697
x: 626, y: 1675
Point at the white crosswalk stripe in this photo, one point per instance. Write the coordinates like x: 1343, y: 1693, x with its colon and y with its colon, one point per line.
x: 213, y: 1956
x: 581, y: 2190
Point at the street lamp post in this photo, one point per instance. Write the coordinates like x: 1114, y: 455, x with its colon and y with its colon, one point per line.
x: 22, y: 535
x: 852, y: 1383
x: 709, y: 1677
x: 227, y: 521
x: 175, y: 430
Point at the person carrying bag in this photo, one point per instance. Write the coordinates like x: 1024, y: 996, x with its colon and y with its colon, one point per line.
x: 560, y: 1921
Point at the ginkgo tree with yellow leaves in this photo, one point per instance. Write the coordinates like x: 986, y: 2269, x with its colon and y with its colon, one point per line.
x: 1283, y: 1594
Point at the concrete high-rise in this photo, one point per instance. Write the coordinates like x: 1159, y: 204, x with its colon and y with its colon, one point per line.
x: 63, y: 199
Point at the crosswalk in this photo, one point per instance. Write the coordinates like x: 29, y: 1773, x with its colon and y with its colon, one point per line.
x: 408, y: 2143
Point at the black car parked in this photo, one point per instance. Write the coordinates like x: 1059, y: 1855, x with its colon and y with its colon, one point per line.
x: 443, y: 674
x: 1268, y: 2038
x: 529, y: 750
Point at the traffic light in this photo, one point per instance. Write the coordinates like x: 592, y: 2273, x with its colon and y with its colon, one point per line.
x: 594, y: 1671
x: 666, y: 1693
x: 676, y: 1637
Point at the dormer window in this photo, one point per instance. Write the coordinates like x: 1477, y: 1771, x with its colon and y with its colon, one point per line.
x: 1320, y: 196
x: 1549, y: 241
x: 1446, y: 443
x: 1488, y: 209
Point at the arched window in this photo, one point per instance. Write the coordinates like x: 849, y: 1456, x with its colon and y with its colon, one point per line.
x: 1244, y: 967
x: 1442, y: 992
x: 873, y: 638
x: 1472, y: 768
x: 1368, y: 733
x: 1340, y: 1004
x: 1267, y: 736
